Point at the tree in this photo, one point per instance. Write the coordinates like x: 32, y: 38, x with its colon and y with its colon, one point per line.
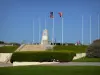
x: 94, y: 49
x: 1, y: 42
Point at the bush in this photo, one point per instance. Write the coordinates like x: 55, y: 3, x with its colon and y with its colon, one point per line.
x: 94, y: 49
x: 2, y: 42
x: 71, y: 44
x: 42, y: 56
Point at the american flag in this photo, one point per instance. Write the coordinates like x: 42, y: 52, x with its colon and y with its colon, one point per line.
x: 51, y: 15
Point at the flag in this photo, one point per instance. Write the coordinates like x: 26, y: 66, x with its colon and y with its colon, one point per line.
x: 60, y: 14
x: 51, y: 15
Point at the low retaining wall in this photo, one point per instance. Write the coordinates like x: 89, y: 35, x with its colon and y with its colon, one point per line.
x: 4, y: 57
x: 32, y: 63
x: 79, y: 55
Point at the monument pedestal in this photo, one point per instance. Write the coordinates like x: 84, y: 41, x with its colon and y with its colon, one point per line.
x: 42, y: 47
x: 45, y: 40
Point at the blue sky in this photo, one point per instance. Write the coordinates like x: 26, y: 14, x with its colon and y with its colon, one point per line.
x: 16, y: 19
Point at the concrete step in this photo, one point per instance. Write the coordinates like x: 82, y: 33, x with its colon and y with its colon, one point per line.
x: 32, y: 48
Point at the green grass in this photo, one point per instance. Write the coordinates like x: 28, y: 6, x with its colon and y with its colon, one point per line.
x: 51, y: 70
x: 86, y: 59
x: 76, y: 49
x: 8, y: 49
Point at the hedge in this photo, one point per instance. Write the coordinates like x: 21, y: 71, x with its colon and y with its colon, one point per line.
x: 42, y: 56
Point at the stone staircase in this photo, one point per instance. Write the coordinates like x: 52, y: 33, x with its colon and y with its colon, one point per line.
x: 18, y: 49
x: 30, y: 47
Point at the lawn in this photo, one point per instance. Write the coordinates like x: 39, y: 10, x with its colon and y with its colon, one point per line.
x: 86, y: 59
x: 76, y: 49
x: 51, y: 70
x: 8, y: 49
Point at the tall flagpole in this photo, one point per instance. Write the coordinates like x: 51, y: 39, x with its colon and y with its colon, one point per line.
x: 33, y: 30
x: 62, y: 30
x: 45, y: 22
x: 39, y: 29
x: 90, y: 29
x: 53, y: 32
x: 98, y: 27
x: 52, y: 35
x: 82, y: 30
x: 52, y: 16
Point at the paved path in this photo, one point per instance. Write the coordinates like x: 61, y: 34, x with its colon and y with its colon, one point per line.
x: 76, y: 64
x: 61, y: 64
x: 5, y: 64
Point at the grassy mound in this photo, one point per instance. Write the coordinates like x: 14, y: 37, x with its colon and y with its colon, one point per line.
x: 76, y: 49
x: 44, y: 56
x: 8, y: 49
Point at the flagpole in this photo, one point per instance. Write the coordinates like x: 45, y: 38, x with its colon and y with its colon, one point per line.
x: 52, y: 16
x: 62, y: 30
x: 98, y: 26
x: 53, y: 31
x: 82, y: 30
x: 45, y: 22
x: 33, y: 30
x: 52, y: 35
x: 90, y: 29
x: 39, y: 29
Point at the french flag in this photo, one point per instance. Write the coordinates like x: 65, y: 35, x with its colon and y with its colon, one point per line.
x: 60, y: 14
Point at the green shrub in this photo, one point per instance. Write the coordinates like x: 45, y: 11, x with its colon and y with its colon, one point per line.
x: 42, y: 56
x: 93, y: 50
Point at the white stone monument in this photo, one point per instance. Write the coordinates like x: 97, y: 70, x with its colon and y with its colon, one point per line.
x: 45, y: 40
